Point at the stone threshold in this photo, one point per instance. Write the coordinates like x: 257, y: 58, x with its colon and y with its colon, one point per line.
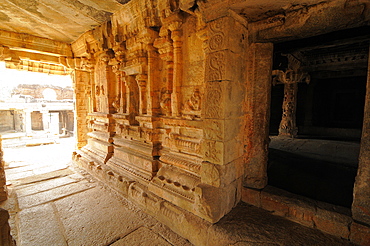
x: 328, y: 218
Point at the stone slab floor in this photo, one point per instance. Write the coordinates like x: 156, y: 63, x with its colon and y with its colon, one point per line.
x: 52, y: 204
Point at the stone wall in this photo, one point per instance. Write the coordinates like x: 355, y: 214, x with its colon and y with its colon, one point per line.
x: 164, y: 114
x: 36, y: 91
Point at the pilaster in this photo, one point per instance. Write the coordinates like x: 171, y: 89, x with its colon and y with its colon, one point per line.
x: 82, y: 93
x: 257, y: 114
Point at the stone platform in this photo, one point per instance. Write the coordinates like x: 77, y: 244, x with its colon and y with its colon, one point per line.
x: 52, y: 203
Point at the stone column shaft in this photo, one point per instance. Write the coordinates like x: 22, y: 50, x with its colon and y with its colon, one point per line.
x: 28, y: 122
x: 258, y: 117
x: 177, y: 68
x: 288, y: 126
x: 83, y: 105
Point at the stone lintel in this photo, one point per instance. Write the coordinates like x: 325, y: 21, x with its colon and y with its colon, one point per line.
x: 34, y: 44
x: 311, y: 20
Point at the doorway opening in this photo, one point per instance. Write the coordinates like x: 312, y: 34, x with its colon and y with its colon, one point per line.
x: 37, y: 130
x: 316, y: 155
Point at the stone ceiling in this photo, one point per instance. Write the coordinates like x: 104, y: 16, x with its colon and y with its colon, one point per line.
x: 60, y: 20
x: 66, y: 20
x: 255, y: 10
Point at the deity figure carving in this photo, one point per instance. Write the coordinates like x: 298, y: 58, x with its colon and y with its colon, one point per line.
x: 117, y: 103
x: 192, y: 106
x: 165, y: 101
x: 194, y: 102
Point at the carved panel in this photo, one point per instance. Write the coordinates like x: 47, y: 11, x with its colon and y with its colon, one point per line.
x: 213, y: 100
x: 216, y: 65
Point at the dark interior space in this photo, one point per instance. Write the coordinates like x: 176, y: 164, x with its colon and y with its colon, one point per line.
x: 311, y: 177
x: 321, y: 162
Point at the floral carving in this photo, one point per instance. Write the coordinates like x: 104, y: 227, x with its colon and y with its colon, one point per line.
x: 216, y: 66
x: 217, y: 36
x: 213, y: 101
x: 212, y: 152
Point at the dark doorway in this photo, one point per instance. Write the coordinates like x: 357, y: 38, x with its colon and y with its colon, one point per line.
x: 321, y: 162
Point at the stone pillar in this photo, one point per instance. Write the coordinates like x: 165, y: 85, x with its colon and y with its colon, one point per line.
x: 165, y: 49
x: 28, y: 122
x: 176, y: 35
x: 222, y: 110
x: 258, y: 114
x: 290, y: 78
x: 153, y: 108
x: 82, y: 93
x: 361, y: 193
x: 45, y: 119
x: 287, y: 127
x: 142, y: 83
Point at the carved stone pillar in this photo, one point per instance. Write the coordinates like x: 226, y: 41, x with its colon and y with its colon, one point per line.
x: 222, y: 145
x: 165, y: 50
x: 176, y: 35
x: 153, y: 87
x: 290, y: 78
x: 258, y: 114
x: 287, y: 125
x: 142, y: 83
x: 82, y: 96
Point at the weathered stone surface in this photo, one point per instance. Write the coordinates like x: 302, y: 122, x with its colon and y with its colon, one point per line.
x: 360, y: 234
x: 51, y: 232
x: 257, y: 225
x: 101, y: 224
x: 53, y: 194
x: 142, y: 236
x: 257, y: 117
x: 31, y: 189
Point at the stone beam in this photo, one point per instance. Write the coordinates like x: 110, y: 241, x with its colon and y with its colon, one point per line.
x: 34, y: 44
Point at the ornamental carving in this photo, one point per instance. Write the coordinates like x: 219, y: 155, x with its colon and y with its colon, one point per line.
x: 216, y: 66
x: 213, y: 100
x: 216, y: 40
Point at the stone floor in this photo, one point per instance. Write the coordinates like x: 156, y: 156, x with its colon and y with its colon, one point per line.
x: 52, y: 203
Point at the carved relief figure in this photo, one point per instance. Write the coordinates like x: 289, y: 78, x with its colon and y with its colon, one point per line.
x: 194, y: 102
x: 165, y: 102
x: 117, y: 103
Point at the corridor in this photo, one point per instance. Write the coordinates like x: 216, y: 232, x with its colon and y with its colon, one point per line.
x: 52, y: 203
